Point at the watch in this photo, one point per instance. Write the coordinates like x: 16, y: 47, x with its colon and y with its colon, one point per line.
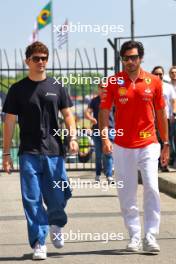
x: 166, y: 143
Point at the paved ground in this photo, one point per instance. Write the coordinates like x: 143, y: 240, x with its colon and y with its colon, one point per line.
x: 91, y: 210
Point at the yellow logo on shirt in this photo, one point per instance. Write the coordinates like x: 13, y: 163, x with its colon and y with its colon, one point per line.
x: 122, y: 91
x: 144, y: 134
x: 148, y: 80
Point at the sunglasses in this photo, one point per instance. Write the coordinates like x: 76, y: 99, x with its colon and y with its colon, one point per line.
x: 158, y: 74
x: 132, y: 58
x: 38, y: 58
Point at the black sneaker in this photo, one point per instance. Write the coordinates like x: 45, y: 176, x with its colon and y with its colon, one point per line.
x: 165, y: 169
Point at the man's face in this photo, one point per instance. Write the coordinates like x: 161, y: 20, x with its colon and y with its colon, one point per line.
x: 173, y: 74
x: 158, y: 72
x: 37, y: 62
x: 131, y: 60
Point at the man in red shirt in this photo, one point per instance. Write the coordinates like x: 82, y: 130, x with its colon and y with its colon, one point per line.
x: 139, y: 102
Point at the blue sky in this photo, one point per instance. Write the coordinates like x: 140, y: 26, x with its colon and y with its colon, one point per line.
x: 151, y: 17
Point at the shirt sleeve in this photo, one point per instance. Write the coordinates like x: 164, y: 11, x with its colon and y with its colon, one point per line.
x: 107, y: 96
x: 64, y: 100
x: 159, y: 102
x: 11, y: 104
x: 91, y: 104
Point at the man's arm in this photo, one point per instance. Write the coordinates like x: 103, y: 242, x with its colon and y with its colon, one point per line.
x: 162, y: 125
x: 8, y: 129
x: 88, y: 115
x: 174, y: 105
x: 103, y: 122
x: 173, y: 116
x: 71, y: 126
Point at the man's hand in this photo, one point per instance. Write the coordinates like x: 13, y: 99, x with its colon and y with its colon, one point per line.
x: 73, y: 147
x: 7, y: 164
x: 172, y: 119
x: 93, y: 121
x: 164, y: 155
x: 107, y: 146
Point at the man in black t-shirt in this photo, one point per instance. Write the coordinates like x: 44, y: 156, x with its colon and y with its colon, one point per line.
x: 36, y: 100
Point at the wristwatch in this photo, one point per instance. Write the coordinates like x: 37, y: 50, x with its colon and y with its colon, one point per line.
x: 166, y: 143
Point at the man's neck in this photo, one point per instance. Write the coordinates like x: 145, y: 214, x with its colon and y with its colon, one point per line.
x: 37, y: 77
x: 134, y: 75
x: 173, y: 82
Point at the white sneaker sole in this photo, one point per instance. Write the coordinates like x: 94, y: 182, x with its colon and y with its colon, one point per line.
x: 133, y: 249
x: 150, y: 249
x: 58, y: 245
x: 43, y: 257
x: 128, y: 249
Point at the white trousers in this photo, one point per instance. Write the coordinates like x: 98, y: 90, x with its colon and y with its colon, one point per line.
x: 127, y: 162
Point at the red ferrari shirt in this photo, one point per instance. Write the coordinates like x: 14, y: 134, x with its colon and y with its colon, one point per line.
x: 135, y: 104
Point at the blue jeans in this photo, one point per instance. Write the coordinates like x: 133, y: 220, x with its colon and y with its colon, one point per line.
x: 102, y: 159
x: 172, y: 138
x: 41, y: 176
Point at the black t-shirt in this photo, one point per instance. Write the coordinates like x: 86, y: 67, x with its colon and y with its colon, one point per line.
x: 37, y: 103
x: 94, y: 105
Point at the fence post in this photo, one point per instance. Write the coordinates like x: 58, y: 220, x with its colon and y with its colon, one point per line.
x: 105, y: 62
x: 116, y: 55
x: 173, y: 37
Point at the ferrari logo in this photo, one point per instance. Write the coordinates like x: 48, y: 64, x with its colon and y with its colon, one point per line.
x: 148, y: 80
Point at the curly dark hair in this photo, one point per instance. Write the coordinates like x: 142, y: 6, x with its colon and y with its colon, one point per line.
x: 35, y: 47
x: 131, y: 45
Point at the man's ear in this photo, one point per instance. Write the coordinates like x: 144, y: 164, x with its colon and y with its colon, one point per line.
x: 46, y: 62
x: 27, y: 61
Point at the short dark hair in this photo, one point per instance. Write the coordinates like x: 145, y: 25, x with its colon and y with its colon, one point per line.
x: 156, y: 68
x: 131, y: 45
x: 35, y: 47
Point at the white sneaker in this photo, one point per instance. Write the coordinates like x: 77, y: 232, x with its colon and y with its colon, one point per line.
x: 150, y: 244
x: 134, y: 245
x: 40, y: 252
x: 56, y: 236
x: 97, y: 178
x: 110, y: 180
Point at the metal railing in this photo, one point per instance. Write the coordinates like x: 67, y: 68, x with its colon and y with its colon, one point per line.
x: 80, y: 94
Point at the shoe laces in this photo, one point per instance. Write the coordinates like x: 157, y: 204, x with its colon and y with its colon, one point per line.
x: 134, y: 240
x: 150, y: 238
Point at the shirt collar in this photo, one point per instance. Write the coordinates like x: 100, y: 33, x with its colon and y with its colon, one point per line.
x: 141, y: 76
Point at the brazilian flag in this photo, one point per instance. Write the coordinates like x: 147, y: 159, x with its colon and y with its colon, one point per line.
x: 44, y: 18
